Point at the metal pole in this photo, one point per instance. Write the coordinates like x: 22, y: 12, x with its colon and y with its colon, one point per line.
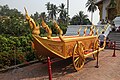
x: 49, y: 69
x: 97, y: 65
x: 67, y: 12
x: 114, y: 46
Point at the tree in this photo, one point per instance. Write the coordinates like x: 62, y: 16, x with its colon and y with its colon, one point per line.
x: 43, y: 15
x: 53, y: 11
x: 36, y: 15
x: 63, y: 13
x: 48, y: 6
x: 91, y: 7
x: 15, y: 38
x: 5, y: 11
x: 80, y: 19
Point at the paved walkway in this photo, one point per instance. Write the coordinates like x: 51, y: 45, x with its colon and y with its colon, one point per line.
x: 109, y: 69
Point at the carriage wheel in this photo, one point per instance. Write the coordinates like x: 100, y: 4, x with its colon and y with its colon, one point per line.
x: 78, y: 56
x: 96, y: 47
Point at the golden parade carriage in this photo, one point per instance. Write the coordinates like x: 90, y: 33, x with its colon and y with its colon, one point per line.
x: 77, y: 47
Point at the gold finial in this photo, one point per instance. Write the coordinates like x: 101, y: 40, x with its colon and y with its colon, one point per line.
x: 94, y: 27
x: 34, y: 28
x: 85, y: 31
x: 105, y: 27
x: 79, y: 30
x: 91, y: 31
x: 59, y: 30
x: 96, y: 32
x: 48, y: 30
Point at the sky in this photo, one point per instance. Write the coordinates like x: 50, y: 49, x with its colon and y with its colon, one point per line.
x: 33, y: 6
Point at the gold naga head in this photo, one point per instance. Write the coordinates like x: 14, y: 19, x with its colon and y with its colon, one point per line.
x: 27, y: 16
x: 47, y: 29
x: 34, y: 28
x: 58, y: 28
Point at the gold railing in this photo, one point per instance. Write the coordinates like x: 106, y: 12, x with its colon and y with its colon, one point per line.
x: 93, y: 30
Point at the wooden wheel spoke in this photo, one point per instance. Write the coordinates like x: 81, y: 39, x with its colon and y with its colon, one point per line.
x: 81, y: 61
x: 76, y: 52
x: 78, y: 57
x: 77, y: 63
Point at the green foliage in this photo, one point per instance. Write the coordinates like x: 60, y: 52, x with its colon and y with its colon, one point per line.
x: 6, y: 11
x: 92, y: 7
x: 54, y: 31
x: 15, y: 50
x: 63, y: 27
x: 14, y: 26
x: 15, y: 38
x: 80, y: 19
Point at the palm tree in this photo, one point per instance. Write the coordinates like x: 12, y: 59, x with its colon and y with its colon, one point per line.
x: 91, y: 7
x: 79, y: 19
x: 82, y: 17
x: 67, y: 12
x: 53, y: 11
x: 48, y: 6
x: 63, y: 13
x: 36, y: 15
x: 43, y: 16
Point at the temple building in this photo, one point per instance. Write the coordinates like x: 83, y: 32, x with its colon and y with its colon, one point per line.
x: 109, y: 9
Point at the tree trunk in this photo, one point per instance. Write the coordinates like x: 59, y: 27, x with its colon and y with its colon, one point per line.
x: 92, y: 17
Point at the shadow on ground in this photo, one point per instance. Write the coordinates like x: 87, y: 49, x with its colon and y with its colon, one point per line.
x: 40, y: 71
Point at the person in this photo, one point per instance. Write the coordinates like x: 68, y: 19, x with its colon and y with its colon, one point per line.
x: 103, y: 22
x: 108, y: 42
x: 113, y: 26
x: 101, y: 38
x: 106, y: 20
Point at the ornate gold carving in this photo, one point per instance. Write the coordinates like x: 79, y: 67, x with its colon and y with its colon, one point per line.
x: 112, y: 4
x: 48, y: 30
x: 57, y: 48
x: 112, y: 13
x: 34, y: 28
x: 113, y: 9
x: 59, y: 30
x: 69, y: 48
x: 118, y: 7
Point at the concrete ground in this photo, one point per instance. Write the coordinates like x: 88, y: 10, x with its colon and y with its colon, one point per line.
x: 109, y: 69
